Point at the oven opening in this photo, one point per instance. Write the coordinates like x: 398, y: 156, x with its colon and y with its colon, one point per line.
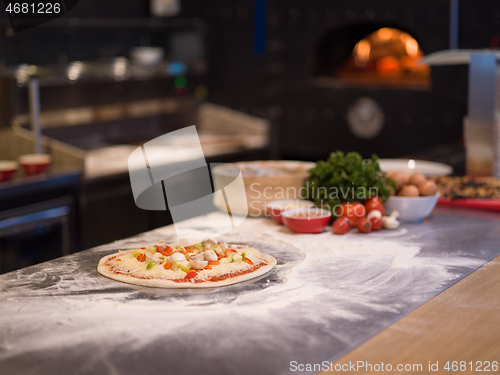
x: 369, y: 55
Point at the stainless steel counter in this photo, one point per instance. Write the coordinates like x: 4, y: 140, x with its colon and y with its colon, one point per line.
x: 326, y: 296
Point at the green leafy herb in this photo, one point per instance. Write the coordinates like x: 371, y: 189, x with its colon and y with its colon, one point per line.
x: 346, y: 178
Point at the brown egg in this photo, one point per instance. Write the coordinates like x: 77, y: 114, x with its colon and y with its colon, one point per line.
x: 406, y: 177
x: 427, y: 188
x: 409, y: 191
x: 401, y: 180
x: 391, y: 174
x: 416, y: 179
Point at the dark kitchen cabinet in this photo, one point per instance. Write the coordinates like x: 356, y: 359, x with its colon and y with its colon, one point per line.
x: 109, y: 213
x: 38, y: 218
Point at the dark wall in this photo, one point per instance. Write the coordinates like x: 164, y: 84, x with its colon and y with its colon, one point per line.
x: 280, y: 85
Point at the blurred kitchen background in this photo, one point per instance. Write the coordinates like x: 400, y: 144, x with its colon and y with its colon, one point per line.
x: 261, y: 79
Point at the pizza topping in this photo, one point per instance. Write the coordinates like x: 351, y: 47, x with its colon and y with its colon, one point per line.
x: 237, y: 258
x: 160, y: 244
x: 151, y: 265
x: 152, y: 258
x: 185, y: 266
x: 198, y: 261
x: 210, y: 255
x: 177, y: 256
x: 157, y: 256
x: 211, y: 265
x: 175, y: 265
x: 190, y: 275
x: 209, y: 243
x: 247, y: 260
x: 167, y: 265
x: 224, y: 260
x: 141, y: 257
x: 220, y: 249
x: 198, y: 247
x: 163, y: 248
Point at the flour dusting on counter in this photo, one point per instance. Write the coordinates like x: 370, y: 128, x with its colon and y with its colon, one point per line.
x: 327, y: 294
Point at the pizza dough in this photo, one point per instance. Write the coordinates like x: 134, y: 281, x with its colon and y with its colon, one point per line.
x: 177, y: 266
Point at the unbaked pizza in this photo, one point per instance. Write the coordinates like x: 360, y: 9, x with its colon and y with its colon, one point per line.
x: 183, y: 265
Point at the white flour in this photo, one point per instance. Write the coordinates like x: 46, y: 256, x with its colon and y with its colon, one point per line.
x: 321, y: 281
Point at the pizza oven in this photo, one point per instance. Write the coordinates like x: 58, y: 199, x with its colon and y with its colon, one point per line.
x: 386, y: 56
x: 364, y: 89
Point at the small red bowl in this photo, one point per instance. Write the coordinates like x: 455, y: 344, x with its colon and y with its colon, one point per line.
x: 275, y: 208
x: 306, y: 220
x: 8, y: 169
x: 35, y: 163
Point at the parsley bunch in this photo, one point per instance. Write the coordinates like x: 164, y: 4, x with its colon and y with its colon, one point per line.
x: 346, y: 178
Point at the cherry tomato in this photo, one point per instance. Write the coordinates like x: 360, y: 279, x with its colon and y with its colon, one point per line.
x: 376, y: 223
x: 354, y: 211
x: 341, y: 225
x: 167, y: 250
x: 141, y: 257
x: 374, y: 203
x: 167, y: 265
x: 364, y: 226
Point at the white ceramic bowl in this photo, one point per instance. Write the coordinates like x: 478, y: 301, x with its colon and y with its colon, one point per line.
x: 410, y: 166
x: 411, y: 208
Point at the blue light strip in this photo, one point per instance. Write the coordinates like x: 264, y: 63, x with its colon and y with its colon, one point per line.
x: 36, y: 216
x: 454, y: 24
x: 260, y: 28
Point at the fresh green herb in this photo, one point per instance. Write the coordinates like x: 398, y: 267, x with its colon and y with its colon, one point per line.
x: 346, y: 178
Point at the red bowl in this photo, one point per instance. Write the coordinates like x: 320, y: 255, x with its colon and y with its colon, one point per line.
x: 8, y: 169
x: 275, y: 208
x: 306, y: 220
x: 35, y: 163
